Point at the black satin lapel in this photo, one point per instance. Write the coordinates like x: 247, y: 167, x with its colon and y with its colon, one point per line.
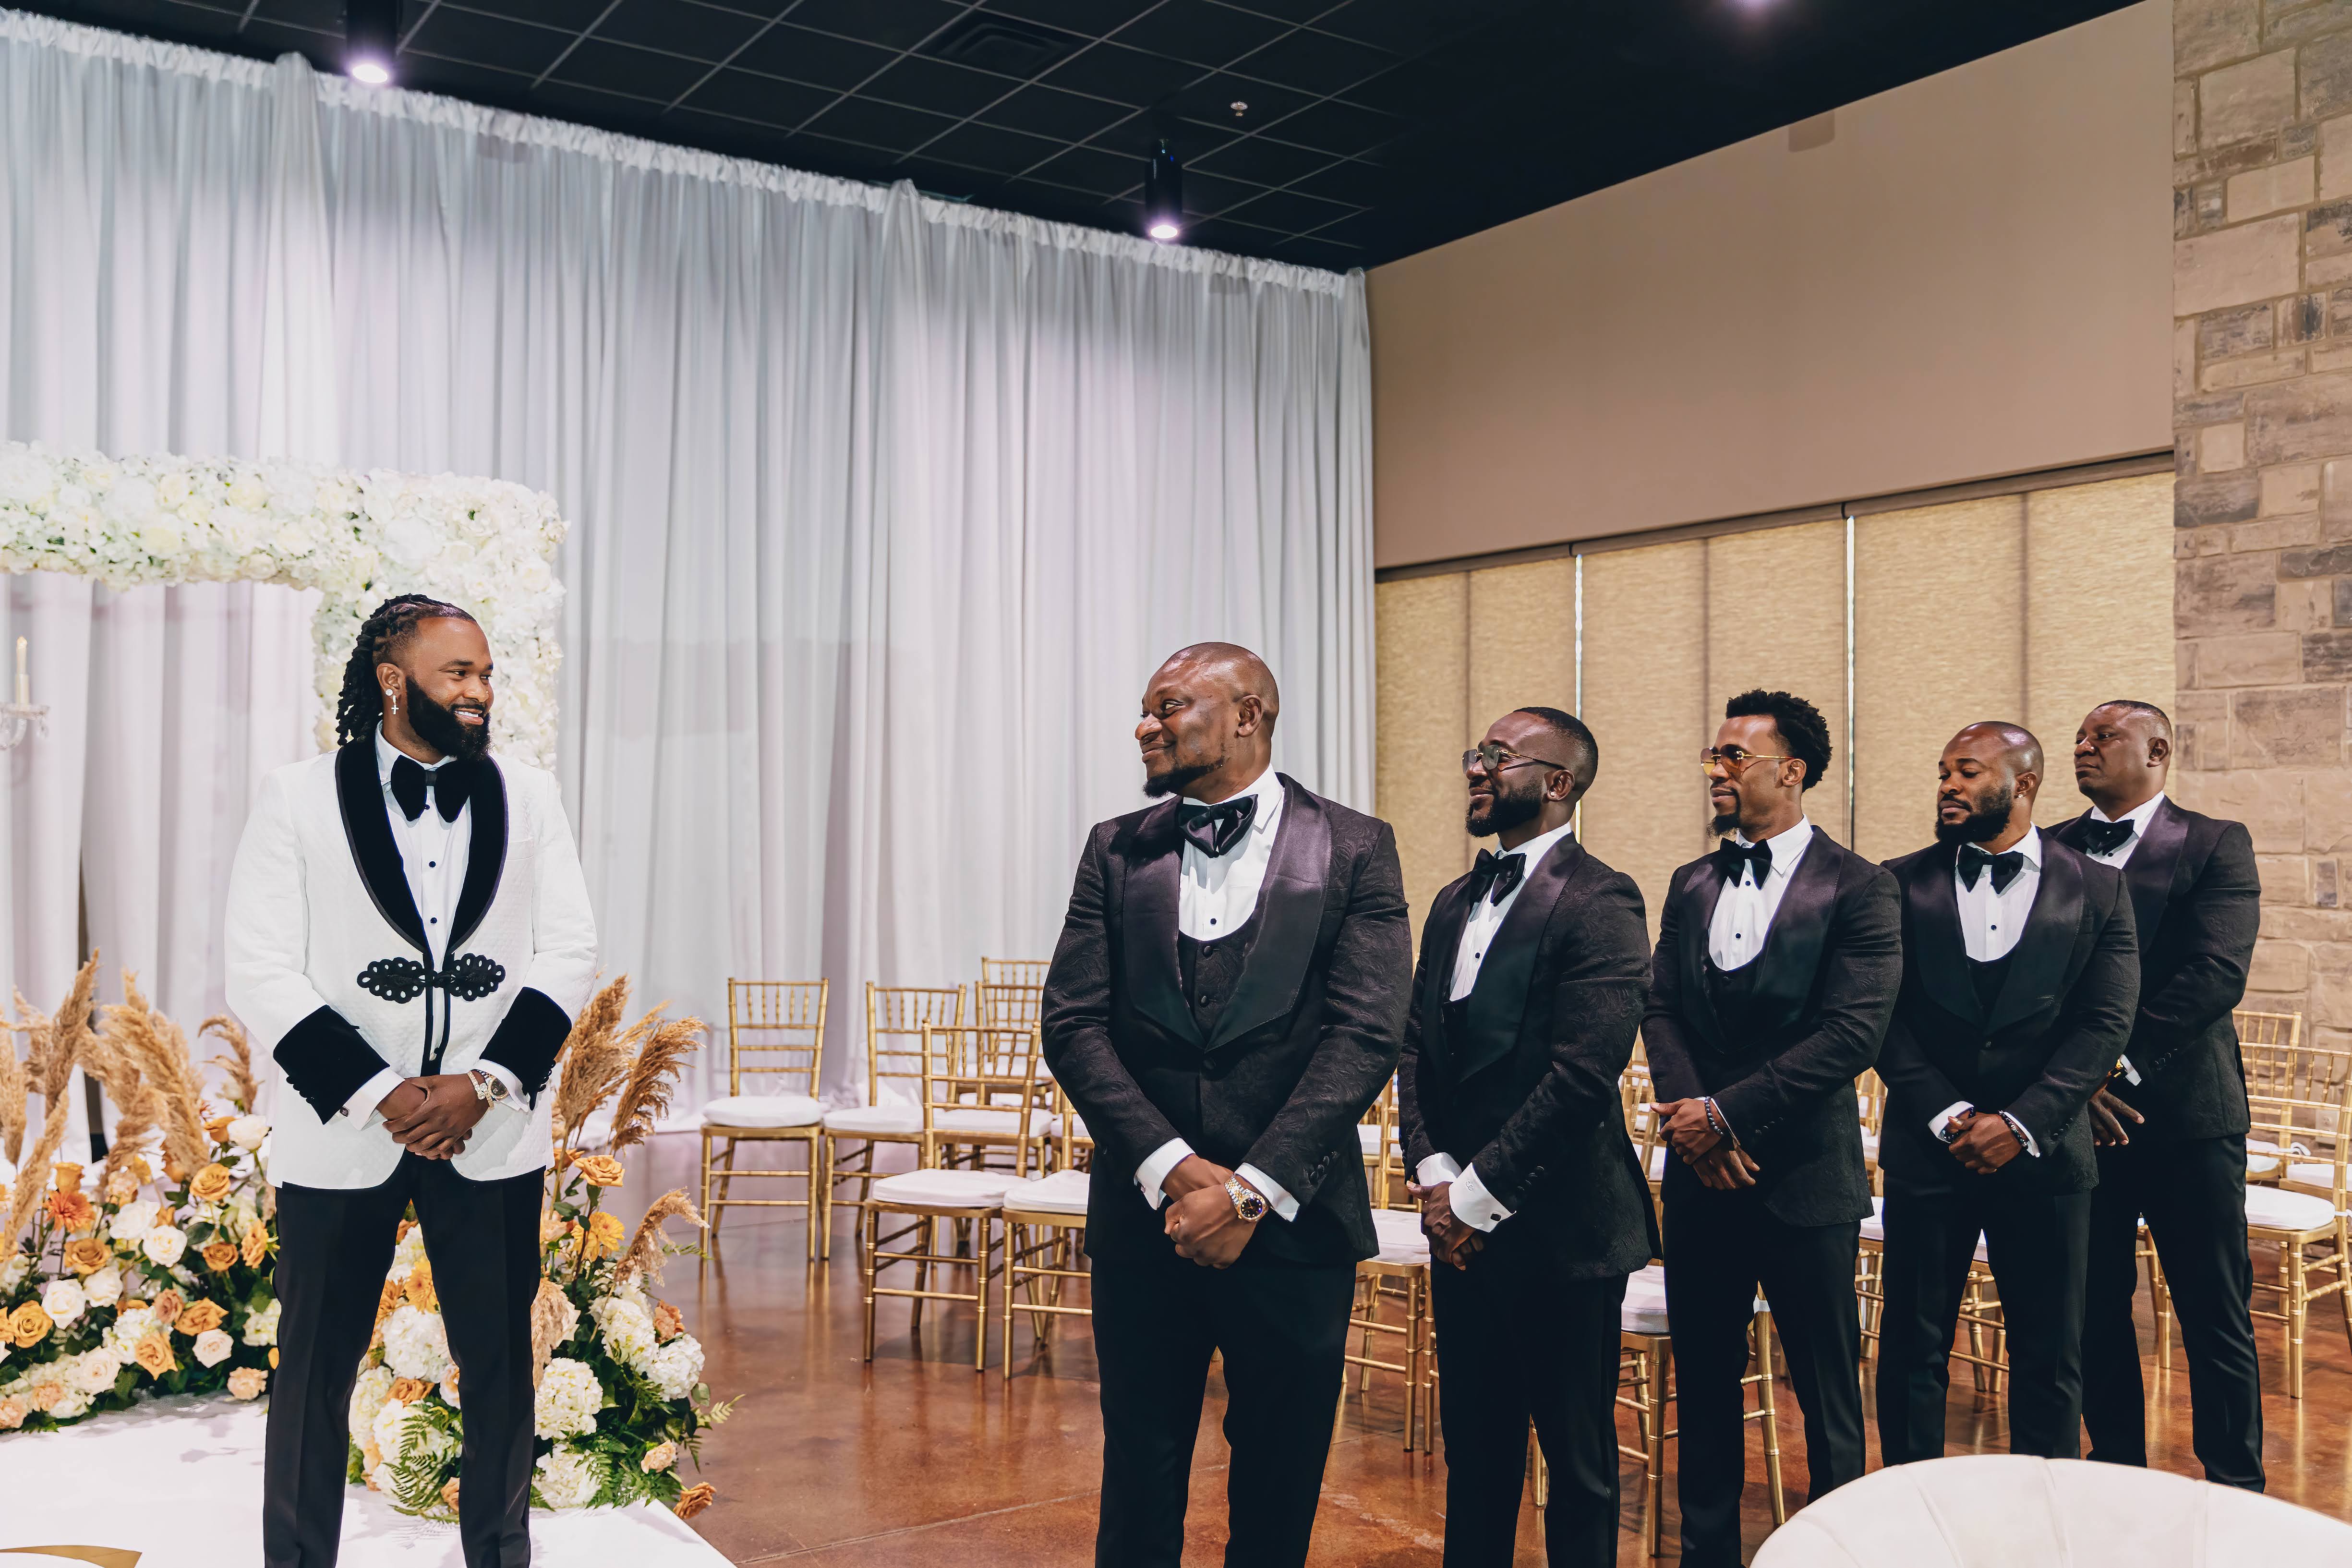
x: 1498, y: 1002
x: 486, y: 861
x: 1441, y: 943
x: 1146, y: 917
x: 2047, y: 943
x: 367, y: 827
x: 1291, y: 916
x: 2150, y: 872
x: 1700, y: 891
x: 1938, y: 948
x: 1799, y: 929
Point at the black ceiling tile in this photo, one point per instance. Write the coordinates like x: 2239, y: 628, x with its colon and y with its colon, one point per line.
x: 1405, y: 26
x: 476, y: 39
x: 724, y: 133
x: 1353, y: 182
x: 1207, y: 194
x: 934, y: 85
x: 639, y: 73
x: 1267, y: 162
x: 761, y: 99
x: 1058, y: 202
x: 1317, y: 62
x: 893, y: 24
x: 573, y: 100
x: 563, y: 15
x: 1210, y: 104
x: 1313, y: 250
x: 847, y: 160
x: 704, y: 33
x: 1223, y: 234
x: 1049, y: 111
x: 1358, y: 230
x: 267, y: 35
x: 1089, y: 169
x: 1286, y: 10
x: 1200, y: 31
x: 1139, y: 136
x: 1093, y: 17
x: 1335, y: 126
x: 319, y: 15
x: 818, y: 59
x: 462, y: 78
x: 1289, y: 210
x: 876, y: 124
x: 1003, y: 153
x: 1124, y: 75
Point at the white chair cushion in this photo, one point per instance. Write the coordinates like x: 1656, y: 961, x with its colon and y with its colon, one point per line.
x: 1399, y: 1231
x: 874, y: 1119
x: 1368, y: 1138
x: 2314, y: 1174
x: 1645, y: 1301
x: 976, y: 1190
x: 1869, y: 1144
x: 1064, y: 1192
x: 1077, y: 1126
x: 2004, y: 1510
x: 2275, y: 1210
x: 1658, y: 1163
x: 762, y: 1111
x: 976, y: 1119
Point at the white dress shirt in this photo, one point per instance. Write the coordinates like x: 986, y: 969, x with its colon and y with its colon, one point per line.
x: 2120, y: 856
x: 1744, y: 910
x: 1990, y: 923
x: 1216, y: 896
x: 434, y: 852
x: 1472, y: 1202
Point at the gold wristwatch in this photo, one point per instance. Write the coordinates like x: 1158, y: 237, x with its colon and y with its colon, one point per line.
x: 488, y: 1087
x: 1247, y: 1202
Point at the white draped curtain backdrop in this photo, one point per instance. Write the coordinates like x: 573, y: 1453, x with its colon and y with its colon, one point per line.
x: 883, y: 508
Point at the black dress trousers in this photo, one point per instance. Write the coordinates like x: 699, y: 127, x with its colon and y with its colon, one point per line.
x: 1519, y: 1340
x: 2193, y: 1193
x: 1721, y: 1249
x: 333, y: 1246
x: 2037, y: 1244
x: 1283, y: 1332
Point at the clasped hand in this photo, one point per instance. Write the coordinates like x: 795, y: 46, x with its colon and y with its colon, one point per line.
x: 432, y: 1117
x: 1202, y: 1220
x: 1452, y: 1238
x: 1986, y: 1142
x: 1717, y: 1164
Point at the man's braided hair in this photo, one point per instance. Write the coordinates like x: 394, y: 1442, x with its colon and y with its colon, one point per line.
x: 360, y: 707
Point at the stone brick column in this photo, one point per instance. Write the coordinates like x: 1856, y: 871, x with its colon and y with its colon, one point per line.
x: 2261, y: 126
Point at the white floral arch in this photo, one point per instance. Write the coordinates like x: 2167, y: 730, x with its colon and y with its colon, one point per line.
x: 358, y: 537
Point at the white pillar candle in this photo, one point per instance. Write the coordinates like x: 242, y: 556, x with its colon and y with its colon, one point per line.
x: 24, y: 683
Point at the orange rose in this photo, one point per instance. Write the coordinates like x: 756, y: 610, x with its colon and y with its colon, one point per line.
x: 167, y: 1307
x: 67, y: 1178
x: 11, y: 1413
x: 419, y: 1289
x: 220, y: 1257
x: 154, y: 1355
x: 28, y: 1325
x: 211, y: 1183
x: 87, y: 1256
x: 257, y: 1244
x: 247, y: 1382
x: 47, y: 1394
x: 667, y: 1323
x: 173, y: 1171
x: 693, y: 1500
x: 409, y: 1390
x: 449, y: 1495
x: 201, y: 1318
x: 73, y: 1210
x: 216, y: 1127
x: 598, y: 1170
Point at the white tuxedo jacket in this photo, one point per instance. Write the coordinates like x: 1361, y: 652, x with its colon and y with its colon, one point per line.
x: 329, y: 968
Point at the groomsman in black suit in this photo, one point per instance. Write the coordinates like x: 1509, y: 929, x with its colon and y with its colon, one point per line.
x: 1777, y: 966
x: 2020, y: 969
x: 2171, y: 1124
x: 1226, y: 1001
x: 1525, y: 1008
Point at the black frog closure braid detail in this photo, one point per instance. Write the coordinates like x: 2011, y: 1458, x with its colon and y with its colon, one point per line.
x: 360, y: 707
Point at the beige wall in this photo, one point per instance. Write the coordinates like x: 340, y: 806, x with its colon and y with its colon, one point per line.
x: 1969, y: 279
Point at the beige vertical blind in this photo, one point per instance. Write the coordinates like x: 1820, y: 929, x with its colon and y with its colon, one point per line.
x: 1645, y: 701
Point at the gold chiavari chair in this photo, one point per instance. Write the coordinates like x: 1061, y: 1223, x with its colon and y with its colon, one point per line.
x: 1004, y: 1005
x: 1046, y: 1227
x: 980, y: 1085
x: 775, y: 1041
x: 1869, y: 1092
x: 923, y: 1198
x: 1636, y: 1093
x: 1400, y: 1273
x: 2305, y: 1212
x: 895, y: 1017
x: 1015, y: 971
x: 2277, y: 1062
x: 1988, y: 1352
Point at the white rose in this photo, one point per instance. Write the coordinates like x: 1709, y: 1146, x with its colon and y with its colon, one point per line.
x: 261, y: 1327
x: 368, y: 1396
x: 163, y: 1244
x: 103, y: 1288
x: 214, y: 1347
x: 132, y: 1221
x: 569, y: 1398
x: 411, y: 541
x: 293, y: 539
x: 174, y: 490
x: 565, y: 1478
x: 94, y: 1372
x: 130, y: 503
x: 247, y: 491
x: 62, y: 1300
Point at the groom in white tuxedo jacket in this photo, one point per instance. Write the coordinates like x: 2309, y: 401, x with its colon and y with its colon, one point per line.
x: 408, y: 931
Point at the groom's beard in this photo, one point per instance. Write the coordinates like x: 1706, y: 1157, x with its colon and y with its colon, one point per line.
x: 439, y: 728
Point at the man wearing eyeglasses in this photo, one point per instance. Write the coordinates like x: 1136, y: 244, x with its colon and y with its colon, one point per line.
x: 1525, y: 1008
x: 1778, y: 961
x: 1226, y: 1001
x: 2021, y: 971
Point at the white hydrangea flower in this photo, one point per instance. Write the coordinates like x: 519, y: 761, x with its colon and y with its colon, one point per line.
x: 165, y: 1244
x: 133, y: 1220
x: 569, y: 1398
x: 368, y: 1396
x: 247, y: 1131
x: 74, y: 1402
x: 627, y: 1329
x: 63, y: 1300
x: 568, y: 1479
x: 675, y: 1368
x: 130, y: 1325
x: 409, y: 1253
x: 416, y: 1344
x: 400, y: 1432
x: 103, y: 1288
x: 214, y: 1347
x: 261, y: 1327
x: 12, y: 1270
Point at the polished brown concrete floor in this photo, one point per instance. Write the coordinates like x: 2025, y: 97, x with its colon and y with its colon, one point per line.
x: 915, y: 1460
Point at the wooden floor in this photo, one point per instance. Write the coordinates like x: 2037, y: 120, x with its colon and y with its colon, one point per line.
x: 915, y: 1460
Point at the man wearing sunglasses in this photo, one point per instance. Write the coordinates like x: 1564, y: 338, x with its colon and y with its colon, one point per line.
x: 1525, y: 1006
x: 1778, y: 962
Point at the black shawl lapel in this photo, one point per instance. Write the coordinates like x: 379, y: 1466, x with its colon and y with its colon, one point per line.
x: 1701, y: 890
x: 2047, y: 944
x: 486, y: 860
x: 1146, y: 914
x: 2150, y: 871
x: 1799, y: 929
x: 1290, y: 915
x: 1440, y: 944
x: 1941, y: 953
x: 1499, y: 1000
x: 359, y: 792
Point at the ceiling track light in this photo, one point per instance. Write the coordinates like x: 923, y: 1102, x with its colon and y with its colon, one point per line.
x: 1163, y: 196
x: 371, y: 39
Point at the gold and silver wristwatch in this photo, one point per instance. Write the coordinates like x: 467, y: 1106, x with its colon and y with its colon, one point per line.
x: 488, y: 1087
x: 1247, y: 1203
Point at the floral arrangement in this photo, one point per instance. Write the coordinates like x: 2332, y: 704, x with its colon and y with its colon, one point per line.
x: 620, y: 1396
x: 129, y: 1283
x: 357, y: 538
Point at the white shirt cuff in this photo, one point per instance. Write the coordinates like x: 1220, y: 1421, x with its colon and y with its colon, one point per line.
x: 1277, y: 1196
x: 1438, y: 1168
x: 362, y: 1105
x: 2024, y: 1137
x: 2131, y: 1073
x: 1943, y: 1118
x: 514, y: 1084
x: 1156, y: 1166
x: 1474, y: 1205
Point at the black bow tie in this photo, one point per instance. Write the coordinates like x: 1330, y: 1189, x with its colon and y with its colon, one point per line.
x: 448, y: 784
x: 1975, y: 858
x: 2105, y: 837
x: 1494, y: 875
x: 1216, y: 829
x: 1731, y: 855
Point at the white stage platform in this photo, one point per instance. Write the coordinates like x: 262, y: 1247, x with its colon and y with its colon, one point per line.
x: 179, y: 1481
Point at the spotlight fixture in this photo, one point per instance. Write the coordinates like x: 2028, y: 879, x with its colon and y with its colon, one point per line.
x: 371, y: 39
x: 1163, y: 196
